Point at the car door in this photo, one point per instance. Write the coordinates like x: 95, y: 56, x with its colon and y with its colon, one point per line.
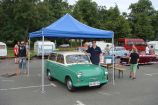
x: 61, y: 68
x: 52, y: 64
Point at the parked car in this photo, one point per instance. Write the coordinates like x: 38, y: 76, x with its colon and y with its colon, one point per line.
x: 119, y: 51
x: 64, y: 45
x: 75, y: 70
x: 3, y: 49
x: 49, y: 47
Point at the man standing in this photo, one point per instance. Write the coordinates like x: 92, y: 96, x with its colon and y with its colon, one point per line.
x: 22, y: 57
x: 133, y: 60
x: 95, y: 52
x: 107, y: 50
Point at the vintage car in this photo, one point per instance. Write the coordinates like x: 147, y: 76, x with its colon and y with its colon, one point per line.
x: 119, y: 51
x: 75, y: 70
x: 143, y: 59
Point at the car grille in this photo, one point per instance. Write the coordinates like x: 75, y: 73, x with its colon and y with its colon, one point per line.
x: 92, y: 78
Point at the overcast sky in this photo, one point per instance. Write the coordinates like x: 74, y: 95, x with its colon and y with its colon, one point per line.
x: 122, y: 4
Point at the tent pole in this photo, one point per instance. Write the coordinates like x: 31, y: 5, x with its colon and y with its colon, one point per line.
x: 42, y: 63
x: 113, y: 61
x: 28, y: 68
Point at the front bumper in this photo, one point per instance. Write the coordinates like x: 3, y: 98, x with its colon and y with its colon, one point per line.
x: 82, y: 83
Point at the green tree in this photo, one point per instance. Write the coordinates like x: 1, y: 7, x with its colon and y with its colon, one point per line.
x: 155, y: 24
x: 140, y: 19
x: 86, y: 12
x: 112, y: 20
x: 19, y: 17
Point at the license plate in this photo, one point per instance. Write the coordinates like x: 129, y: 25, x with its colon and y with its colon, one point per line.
x: 94, y: 83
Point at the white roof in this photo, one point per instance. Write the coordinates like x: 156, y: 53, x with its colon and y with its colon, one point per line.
x: 152, y: 42
x: 1, y: 43
x: 65, y: 53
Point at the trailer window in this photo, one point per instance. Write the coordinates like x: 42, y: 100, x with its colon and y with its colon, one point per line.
x: 136, y: 43
x: 47, y: 47
x: 131, y: 43
x: 2, y: 46
x: 140, y: 43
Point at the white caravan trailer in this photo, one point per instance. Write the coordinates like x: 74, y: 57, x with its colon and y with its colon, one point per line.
x: 155, y: 45
x: 3, y: 49
x: 49, y: 47
x: 102, y: 45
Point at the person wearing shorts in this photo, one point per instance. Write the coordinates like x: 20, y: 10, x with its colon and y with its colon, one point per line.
x: 133, y: 60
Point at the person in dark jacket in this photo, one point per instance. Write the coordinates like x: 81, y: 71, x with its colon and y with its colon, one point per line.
x: 133, y: 61
x: 22, y: 57
x: 95, y: 52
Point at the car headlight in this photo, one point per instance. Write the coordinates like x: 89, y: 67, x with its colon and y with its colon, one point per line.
x: 79, y: 74
x: 106, y: 73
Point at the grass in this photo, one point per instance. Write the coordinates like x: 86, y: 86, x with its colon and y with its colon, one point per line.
x: 11, y: 53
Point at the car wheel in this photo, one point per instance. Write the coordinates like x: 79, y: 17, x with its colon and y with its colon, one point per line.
x: 69, y: 85
x: 49, y: 76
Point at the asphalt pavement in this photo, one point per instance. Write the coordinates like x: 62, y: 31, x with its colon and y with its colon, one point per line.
x: 26, y: 90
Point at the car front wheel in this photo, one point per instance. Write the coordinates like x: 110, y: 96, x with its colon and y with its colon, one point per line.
x: 69, y: 85
x: 49, y: 76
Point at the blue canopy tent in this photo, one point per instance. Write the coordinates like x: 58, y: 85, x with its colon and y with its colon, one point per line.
x: 68, y: 27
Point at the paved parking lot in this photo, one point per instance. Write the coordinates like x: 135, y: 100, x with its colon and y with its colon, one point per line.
x: 24, y: 90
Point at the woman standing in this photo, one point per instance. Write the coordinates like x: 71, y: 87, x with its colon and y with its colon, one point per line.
x: 133, y: 60
x: 16, y: 52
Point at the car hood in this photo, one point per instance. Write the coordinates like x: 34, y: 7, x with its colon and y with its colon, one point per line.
x: 86, y: 69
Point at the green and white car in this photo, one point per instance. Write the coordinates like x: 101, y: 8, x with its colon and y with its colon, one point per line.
x: 75, y: 70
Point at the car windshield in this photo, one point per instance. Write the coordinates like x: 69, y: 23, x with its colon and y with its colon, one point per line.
x: 76, y: 59
x: 120, y: 48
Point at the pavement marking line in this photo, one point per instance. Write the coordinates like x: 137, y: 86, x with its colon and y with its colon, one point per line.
x: 27, y: 87
x: 7, y: 80
x: 148, y: 74
x: 104, y: 93
x: 52, y: 84
x: 151, y: 74
x: 79, y: 103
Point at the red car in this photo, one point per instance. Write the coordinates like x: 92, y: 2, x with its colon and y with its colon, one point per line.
x: 143, y: 59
